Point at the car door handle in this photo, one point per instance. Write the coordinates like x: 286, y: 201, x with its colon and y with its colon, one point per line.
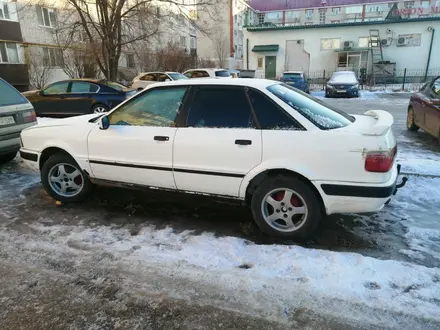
x: 243, y: 142
x: 161, y: 138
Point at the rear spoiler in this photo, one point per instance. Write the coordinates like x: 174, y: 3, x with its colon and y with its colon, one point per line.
x: 384, y: 122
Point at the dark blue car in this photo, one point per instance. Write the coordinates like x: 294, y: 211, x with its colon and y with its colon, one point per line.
x: 296, y: 79
x: 78, y: 97
x: 342, y: 84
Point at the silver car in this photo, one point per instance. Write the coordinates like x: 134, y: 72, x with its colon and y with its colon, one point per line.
x: 16, y: 114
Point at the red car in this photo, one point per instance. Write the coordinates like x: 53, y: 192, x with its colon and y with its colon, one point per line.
x: 424, y: 109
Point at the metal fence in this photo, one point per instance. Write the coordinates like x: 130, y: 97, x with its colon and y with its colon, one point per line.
x: 404, y: 79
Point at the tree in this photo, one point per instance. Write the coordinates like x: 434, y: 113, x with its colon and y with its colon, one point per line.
x: 39, y: 71
x: 173, y: 57
x: 113, y: 25
x: 221, y: 47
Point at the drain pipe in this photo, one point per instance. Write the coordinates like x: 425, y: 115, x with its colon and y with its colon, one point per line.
x: 247, y: 53
x: 432, y: 30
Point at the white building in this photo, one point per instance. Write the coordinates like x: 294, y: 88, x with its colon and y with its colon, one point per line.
x: 405, y: 37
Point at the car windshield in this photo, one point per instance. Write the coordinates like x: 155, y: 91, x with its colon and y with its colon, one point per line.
x: 9, y: 95
x: 177, y: 76
x: 343, y: 78
x: 222, y: 73
x: 118, y: 87
x: 291, y: 75
x: 319, y: 113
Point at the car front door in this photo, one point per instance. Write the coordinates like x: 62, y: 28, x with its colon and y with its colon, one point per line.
x: 219, y: 144
x: 431, y: 106
x: 51, y: 99
x: 137, y: 148
x: 80, y: 98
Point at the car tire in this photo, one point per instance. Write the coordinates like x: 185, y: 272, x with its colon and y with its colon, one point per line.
x: 6, y: 158
x: 66, y: 184
x: 100, y: 108
x: 410, y: 123
x: 294, y: 218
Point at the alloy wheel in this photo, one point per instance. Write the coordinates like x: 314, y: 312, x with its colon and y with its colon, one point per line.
x: 66, y: 180
x: 99, y: 109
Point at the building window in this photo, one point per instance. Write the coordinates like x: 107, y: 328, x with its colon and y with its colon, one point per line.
x: 424, y: 4
x: 292, y: 14
x: 274, y: 16
x: 235, y: 18
x: 4, y: 11
x: 364, y: 42
x: 192, y: 42
x: 182, y: 42
x: 322, y: 13
x: 9, y: 53
x: 259, y: 62
x: 373, y: 8
x: 309, y: 13
x: 408, y: 4
x: 130, y: 60
x: 46, y: 17
x: 52, y: 56
x: 330, y: 43
x: 353, y: 10
x: 336, y: 10
x: 260, y: 19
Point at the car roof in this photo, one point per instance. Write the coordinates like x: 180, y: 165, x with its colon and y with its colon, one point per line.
x: 213, y: 69
x: 293, y: 72
x: 256, y: 83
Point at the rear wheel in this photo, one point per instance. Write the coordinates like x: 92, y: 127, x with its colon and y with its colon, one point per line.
x: 100, y: 108
x: 64, y: 180
x: 410, y: 120
x: 7, y: 157
x: 286, y: 207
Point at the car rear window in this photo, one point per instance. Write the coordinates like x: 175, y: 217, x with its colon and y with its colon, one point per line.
x: 9, y: 95
x: 222, y: 73
x: 292, y: 75
x: 319, y: 113
x: 177, y: 76
x: 344, y: 78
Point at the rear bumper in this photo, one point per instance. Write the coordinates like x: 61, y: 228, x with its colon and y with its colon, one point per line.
x: 355, y: 197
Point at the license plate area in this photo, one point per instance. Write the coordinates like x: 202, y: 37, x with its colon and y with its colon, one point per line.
x: 341, y: 91
x: 7, y: 120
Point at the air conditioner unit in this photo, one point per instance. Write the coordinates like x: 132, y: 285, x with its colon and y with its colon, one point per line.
x: 401, y: 41
x: 348, y: 44
x: 385, y: 42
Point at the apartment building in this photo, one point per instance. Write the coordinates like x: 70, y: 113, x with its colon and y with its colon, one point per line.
x: 12, y: 62
x: 337, y: 35
x: 220, y: 38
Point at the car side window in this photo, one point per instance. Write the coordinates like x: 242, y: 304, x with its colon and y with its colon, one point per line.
x: 200, y: 74
x: 220, y: 107
x: 149, y: 77
x: 57, y: 88
x: 435, y: 89
x: 269, y: 114
x: 162, y: 77
x: 157, y: 107
x: 83, y: 87
x: 188, y: 74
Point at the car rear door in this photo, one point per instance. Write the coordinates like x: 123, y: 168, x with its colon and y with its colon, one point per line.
x: 218, y: 144
x: 80, y: 98
x: 431, y: 106
x: 137, y: 148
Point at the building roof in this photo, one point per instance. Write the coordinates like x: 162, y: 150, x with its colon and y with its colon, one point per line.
x: 278, y: 5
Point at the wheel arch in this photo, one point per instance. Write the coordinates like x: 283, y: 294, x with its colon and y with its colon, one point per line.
x: 48, y: 152
x: 249, y: 185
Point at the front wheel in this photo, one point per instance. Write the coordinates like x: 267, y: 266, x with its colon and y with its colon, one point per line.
x: 64, y: 180
x: 410, y: 120
x: 286, y: 207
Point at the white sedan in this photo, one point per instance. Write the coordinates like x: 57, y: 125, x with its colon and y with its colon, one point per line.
x: 289, y: 156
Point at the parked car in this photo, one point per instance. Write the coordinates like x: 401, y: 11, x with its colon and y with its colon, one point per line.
x: 297, y: 79
x: 342, y: 83
x: 147, y: 78
x: 16, y: 114
x: 207, y: 73
x: 424, y: 109
x: 222, y: 138
x: 78, y: 97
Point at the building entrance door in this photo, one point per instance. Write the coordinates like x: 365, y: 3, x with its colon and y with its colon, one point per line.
x: 354, y: 62
x: 270, y: 67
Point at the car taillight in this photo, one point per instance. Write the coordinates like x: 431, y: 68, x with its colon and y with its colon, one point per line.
x: 380, y: 161
x: 29, y: 116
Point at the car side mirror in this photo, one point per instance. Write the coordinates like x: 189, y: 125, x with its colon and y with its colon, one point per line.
x: 104, y: 122
x: 41, y: 93
x: 167, y: 79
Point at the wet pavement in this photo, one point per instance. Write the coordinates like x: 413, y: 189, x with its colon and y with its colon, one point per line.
x: 408, y: 229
